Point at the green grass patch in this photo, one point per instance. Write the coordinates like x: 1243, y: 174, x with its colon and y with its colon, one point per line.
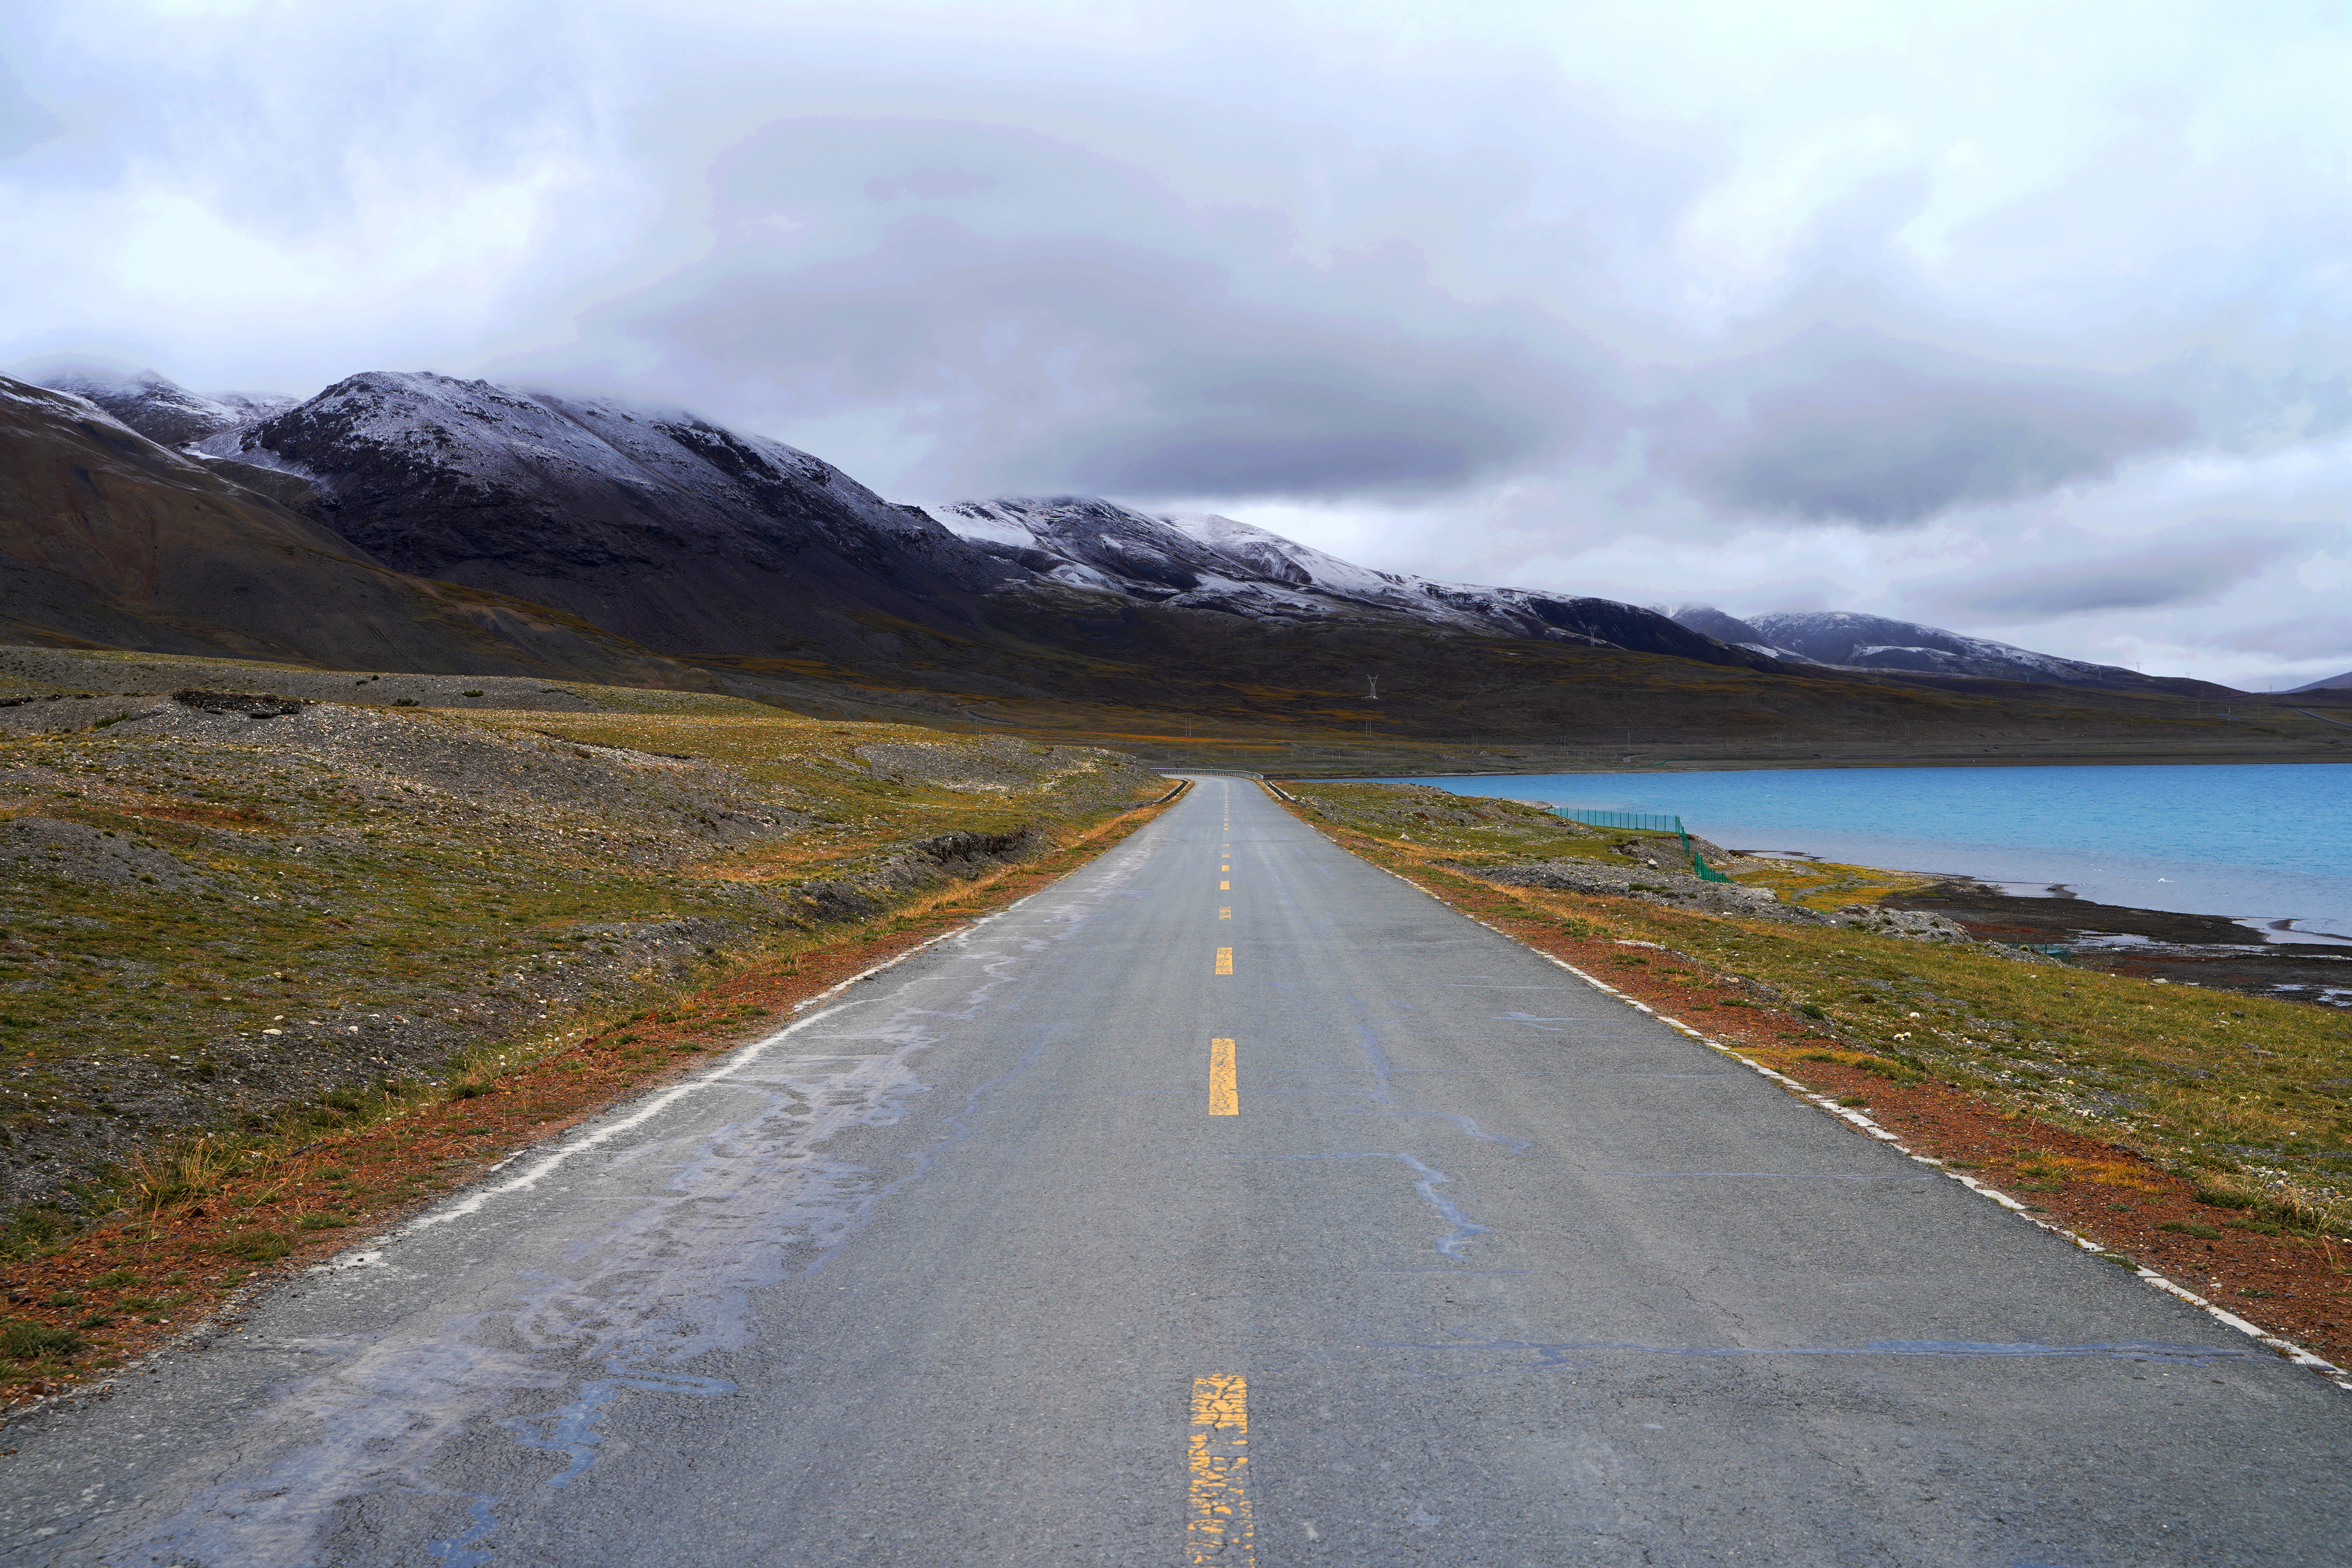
x: 259, y: 1246
x: 24, y: 1340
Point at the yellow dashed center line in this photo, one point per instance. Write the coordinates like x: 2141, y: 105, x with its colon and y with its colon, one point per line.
x: 1225, y: 913
x: 1224, y: 1095
x: 1217, y: 1529
x: 1225, y: 961
x: 1224, y: 886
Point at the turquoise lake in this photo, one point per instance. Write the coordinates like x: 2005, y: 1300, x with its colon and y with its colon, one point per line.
x: 2266, y: 843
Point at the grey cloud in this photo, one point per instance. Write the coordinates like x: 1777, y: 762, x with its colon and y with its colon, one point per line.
x: 1880, y: 439
x: 23, y: 123
x: 1360, y: 274
x: 1192, y: 358
x: 1106, y: 374
x: 2326, y: 636
x: 1279, y: 418
x: 928, y: 184
x: 2171, y: 571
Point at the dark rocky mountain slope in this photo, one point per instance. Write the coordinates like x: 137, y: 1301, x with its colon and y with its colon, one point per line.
x: 652, y: 523
x: 109, y: 540
x: 154, y: 406
x: 1849, y: 641
x: 429, y: 516
x: 706, y: 542
x: 1204, y: 562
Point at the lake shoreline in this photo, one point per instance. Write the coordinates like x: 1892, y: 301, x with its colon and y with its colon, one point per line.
x: 1816, y: 765
x: 2209, y: 950
x: 2233, y: 878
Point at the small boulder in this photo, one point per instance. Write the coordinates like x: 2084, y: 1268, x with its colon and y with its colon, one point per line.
x: 252, y: 704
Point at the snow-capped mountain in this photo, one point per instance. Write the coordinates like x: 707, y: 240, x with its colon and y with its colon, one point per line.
x: 154, y: 406
x: 110, y: 539
x: 647, y: 522
x: 1205, y: 562
x: 1845, y: 640
x: 693, y: 539
x: 1714, y: 623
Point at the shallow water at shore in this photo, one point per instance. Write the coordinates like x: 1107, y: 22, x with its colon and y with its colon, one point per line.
x: 2267, y: 844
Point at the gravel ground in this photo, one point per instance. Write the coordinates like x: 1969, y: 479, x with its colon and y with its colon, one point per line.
x: 33, y: 678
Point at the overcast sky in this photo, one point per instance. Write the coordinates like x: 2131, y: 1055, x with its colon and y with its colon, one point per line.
x: 2032, y: 321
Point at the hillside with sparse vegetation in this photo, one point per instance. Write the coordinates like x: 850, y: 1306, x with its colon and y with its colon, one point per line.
x: 234, y: 911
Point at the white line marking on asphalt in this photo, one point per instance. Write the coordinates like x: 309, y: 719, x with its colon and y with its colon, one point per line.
x: 474, y: 1201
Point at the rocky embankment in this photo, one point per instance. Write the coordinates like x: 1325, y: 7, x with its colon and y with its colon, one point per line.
x: 1656, y: 883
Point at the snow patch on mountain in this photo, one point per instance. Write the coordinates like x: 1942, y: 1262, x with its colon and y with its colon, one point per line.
x: 153, y: 404
x: 500, y: 445
x: 1875, y: 642
x: 1287, y: 561
x: 1205, y: 562
x: 1849, y: 641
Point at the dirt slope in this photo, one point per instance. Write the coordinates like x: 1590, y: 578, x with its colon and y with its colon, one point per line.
x: 109, y: 540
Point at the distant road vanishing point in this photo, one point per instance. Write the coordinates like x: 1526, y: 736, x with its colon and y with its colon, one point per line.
x: 1230, y: 1202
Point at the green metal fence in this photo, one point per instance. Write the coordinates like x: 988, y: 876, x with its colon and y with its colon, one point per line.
x: 1639, y: 821
x: 1645, y: 822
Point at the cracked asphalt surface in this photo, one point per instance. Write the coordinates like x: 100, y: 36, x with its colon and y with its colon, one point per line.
x: 1495, y: 1268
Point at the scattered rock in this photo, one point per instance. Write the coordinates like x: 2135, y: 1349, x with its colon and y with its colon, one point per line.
x: 1917, y: 925
x: 48, y: 846
x: 1656, y: 885
x: 252, y: 704
x: 1000, y: 762
x: 353, y: 897
x: 921, y: 865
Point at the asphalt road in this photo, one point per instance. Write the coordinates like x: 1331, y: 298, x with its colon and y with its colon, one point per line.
x: 1002, y: 1258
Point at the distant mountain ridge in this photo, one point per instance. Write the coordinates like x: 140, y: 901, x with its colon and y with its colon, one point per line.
x: 1841, y: 640
x: 1205, y: 562
x: 693, y: 539
x: 110, y: 540
x: 699, y: 542
x: 154, y: 406
x: 648, y: 521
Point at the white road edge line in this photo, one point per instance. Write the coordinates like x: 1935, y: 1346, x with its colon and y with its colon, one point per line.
x: 373, y: 1254
x: 2287, y: 1348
